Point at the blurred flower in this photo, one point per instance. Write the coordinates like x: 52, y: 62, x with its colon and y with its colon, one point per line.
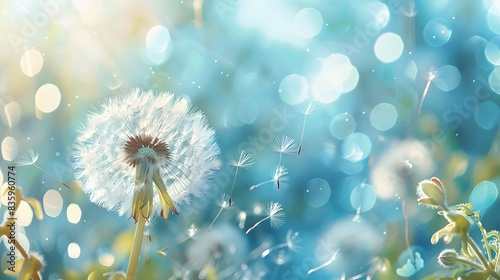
x: 141, y: 138
x: 32, y: 267
x: 457, y: 224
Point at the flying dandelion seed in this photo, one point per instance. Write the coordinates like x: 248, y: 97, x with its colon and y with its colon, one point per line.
x: 430, y: 78
x: 291, y: 243
x: 274, y: 214
x: 244, y: 161
x: 311, y: 108
x: 242, y: 217
x: 29, y: 158
x: 139, y: 140
x: 327, y: 263
x: 223, y: 203
x: 283, y: 145
x: 279, y: 179
x: 192, y: 230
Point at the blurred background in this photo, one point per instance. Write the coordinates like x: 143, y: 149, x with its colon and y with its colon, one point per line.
x: 385, y: 94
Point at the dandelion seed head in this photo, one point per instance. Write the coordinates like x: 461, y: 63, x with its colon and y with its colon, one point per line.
x: 280, y: 177
x: 284, y: 144
x: 145, y: 144
x: 276, y: 216
x: 27, y: 158
x: 242, y: 160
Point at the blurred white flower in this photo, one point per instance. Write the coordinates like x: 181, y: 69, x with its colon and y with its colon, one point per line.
x: 140, y: 139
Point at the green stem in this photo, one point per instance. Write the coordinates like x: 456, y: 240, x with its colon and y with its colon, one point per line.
x: 480, y: 256
x: 471, y: 263
x: 136, y: 249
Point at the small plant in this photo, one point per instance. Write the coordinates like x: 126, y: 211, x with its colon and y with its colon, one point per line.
x: 471, y: 262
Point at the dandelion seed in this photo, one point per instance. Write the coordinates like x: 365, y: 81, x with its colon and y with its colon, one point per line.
x: 283, y: 145
x: 244, y: 161
x: 327, y: 263
x: 311, y: 108
x: 279, y: 179
x: 291, y: 243
x: 29, y: 158
x: 192, y: 230
x: 223, y: 203
x: 432, y: 75
x: 274, y: 214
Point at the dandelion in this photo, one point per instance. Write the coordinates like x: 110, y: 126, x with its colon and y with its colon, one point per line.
x: 283, y: 145
x: 223, y: 203
x: 327, y: 263
x: 29, y: 158
x: 430, y: 78
x: 278, y: 179
x: 245, y: 161
x: 274, y: 214
x: 145, y: 151
x: 192, y: 230
x: 291, y: 243
x: 311, y: 108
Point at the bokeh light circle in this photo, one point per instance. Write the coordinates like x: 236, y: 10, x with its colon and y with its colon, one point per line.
x: 9, y: 148
x: 293, y: 89
x: 379, y: 13
x: 447, y: 78
x: 356, y: 147
x: 317, y: 192
x: 494, y: 80
x: 487, y: 115
x: 492, y: 51
x: 342, y: 125
x: 437, y: 32
x: 74, y: 250
x: 31, y: 62
x: 307, y: 23
x: 493, y: 17
x: 52, y: 203
x: 383, y: 116
x: 388, y: 47
x: 483, y: 196
x: 157, y: 39
x: 47, y: 98
x: 363, y: 197
x: 73, y: 213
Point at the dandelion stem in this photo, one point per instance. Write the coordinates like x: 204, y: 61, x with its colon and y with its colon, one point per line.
x: 232, y: 187
x: 328, y: 262
x: 53, y: 177
x: 136, y: 249
x: 432, y: 75
x: 302, y: 135
x: 260, y: 184
x: 470, y: 263
x: 269, y: 250
x: 216, y: 216
x: 258, y: 223
x: 406, y: 233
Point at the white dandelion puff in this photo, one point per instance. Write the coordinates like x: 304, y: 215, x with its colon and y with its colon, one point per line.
x: 145, y: 151
x: 274, y: 214
x: 279, y: 179
x: 244, y: 160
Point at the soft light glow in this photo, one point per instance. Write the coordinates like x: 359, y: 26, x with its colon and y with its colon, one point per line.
x: 73, y: 213
x: 383, y: 116
x: 11, y: 114
x: 47, y: 98
x: 52, y: 203
x: 74, y: 250
x: 106, y: 259
x: 388, y: 47
x: 31, y: 62
x: 293, y: 89
x: 157, y: 39
x: 307, y: 23
x: 9, y: 148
